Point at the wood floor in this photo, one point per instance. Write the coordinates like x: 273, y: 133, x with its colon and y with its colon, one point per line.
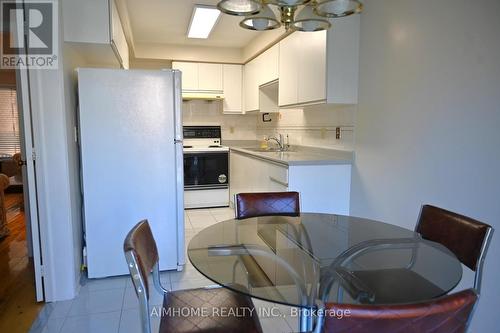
x: 18, y: 308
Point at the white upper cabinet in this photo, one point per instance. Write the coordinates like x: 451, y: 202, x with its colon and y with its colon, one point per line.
x: 312, y: 67
x: 261, y: 70
x: 251, y: 86
x: 189, y: 74
x: 343, y: 60
x: 200, y: 76
x: 320, y: 67
x: 97, y: 24
x: 289, y: 61
x: 118, y: 40
x: 210, y: 77
x: 233, y: 89
x: 267, y: 65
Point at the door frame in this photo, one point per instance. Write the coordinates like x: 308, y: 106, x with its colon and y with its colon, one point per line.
x: 28, y: 137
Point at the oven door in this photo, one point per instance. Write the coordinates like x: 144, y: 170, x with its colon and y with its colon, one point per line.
x: 206, y: 170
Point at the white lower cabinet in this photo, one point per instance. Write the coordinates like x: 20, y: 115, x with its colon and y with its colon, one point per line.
x: 248, y: 174
x: 322, y: 188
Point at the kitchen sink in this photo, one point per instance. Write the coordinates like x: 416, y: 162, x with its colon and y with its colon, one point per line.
x: 268, y: 150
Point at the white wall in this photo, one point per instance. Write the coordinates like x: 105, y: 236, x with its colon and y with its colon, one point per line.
x: 428, y: 117
x: 234, y: 127
x: 313, y: 126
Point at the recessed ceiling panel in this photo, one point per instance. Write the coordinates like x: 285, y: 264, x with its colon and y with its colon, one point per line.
x: 167, y: 22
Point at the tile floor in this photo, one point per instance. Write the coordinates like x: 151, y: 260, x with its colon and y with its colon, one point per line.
x: 110, y: 305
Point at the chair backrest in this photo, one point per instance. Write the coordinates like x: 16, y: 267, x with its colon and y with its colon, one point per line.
x: 140, y: 246
x: 467, y: 238
x: 267, y: 203
x: 450, y: 313
x: 142, y: 258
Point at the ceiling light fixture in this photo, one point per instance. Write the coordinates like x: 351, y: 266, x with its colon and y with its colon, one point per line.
x: 203, y: 21
x: 338, y: 8
x: 263, y: 20
x: 307, y: 20
x: 313, y: 16
x: 240, y: 7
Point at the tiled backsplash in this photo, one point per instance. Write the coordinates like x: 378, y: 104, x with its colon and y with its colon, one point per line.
x: 313, y: 126
x: 234, y: 127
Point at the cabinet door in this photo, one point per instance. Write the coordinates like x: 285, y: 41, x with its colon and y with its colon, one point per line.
x: 343, y: 60
x: 288, y: 69
x: 244, y: 174
x: 189, y: 74
x: 312, y: 67
x: 86, y: 21
x: 251, y: 86
x: 277, y: 178
x: 118, y: 37
x: 233, y: 80
x: 267, y: 63
x: 210, y: 77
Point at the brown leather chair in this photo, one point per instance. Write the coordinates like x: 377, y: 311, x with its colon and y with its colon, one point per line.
x: 142, y: 258
x: 270, y: 203
x: 448, y: 314
x: 256, y: 204
x: 467, y: 238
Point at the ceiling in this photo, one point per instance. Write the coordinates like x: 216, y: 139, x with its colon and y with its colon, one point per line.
x: 167, y: 21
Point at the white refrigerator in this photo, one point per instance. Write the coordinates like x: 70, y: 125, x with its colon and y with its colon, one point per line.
x: 130, y: 137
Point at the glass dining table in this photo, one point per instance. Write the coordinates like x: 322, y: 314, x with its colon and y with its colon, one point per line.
x: 314, y: 258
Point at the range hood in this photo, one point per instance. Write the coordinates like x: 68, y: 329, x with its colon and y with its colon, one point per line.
x: 202, y: 95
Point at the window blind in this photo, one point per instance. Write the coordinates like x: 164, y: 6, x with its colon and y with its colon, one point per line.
x: 9, y: 122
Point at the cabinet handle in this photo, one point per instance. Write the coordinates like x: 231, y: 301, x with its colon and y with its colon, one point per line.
x: 278, y: 181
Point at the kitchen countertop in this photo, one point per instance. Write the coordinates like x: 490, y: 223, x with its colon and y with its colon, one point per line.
x: 298, y: 155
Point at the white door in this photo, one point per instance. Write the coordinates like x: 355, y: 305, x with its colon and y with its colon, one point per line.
x: 29, y: 178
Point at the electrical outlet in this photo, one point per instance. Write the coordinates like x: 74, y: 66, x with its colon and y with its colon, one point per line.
x: 338, y: 133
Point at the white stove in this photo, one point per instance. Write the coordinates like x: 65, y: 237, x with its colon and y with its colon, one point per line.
x: 201, y: 145
x: 206, y: 168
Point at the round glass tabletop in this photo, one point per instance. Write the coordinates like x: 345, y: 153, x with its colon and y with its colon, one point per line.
x: 297, y: 260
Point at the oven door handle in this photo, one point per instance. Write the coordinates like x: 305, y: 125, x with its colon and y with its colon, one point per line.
x: 207, y: 187
x: 190, y: 152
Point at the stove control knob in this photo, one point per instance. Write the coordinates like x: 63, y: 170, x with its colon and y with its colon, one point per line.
x: 222, y: 179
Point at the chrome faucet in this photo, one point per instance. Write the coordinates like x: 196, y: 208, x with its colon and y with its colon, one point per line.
x: 281, y: 142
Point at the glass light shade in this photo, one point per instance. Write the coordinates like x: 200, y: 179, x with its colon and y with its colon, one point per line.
x: 288, y: 2
x: 308, y: 21
x: 338, y: 8
x: 239, y: 7
x: 263, y: 20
